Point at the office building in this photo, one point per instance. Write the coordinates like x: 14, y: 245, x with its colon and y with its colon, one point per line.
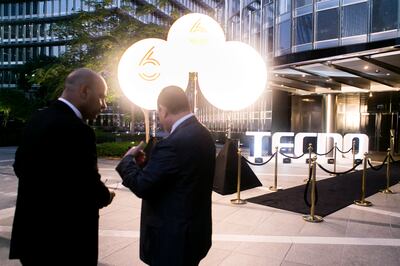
x: 334, y: 66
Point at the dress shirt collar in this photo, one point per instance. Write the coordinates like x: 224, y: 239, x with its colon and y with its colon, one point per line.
x: 76, y: 111
x: 180, y: 121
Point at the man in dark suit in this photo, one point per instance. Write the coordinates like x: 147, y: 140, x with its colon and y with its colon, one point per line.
x: 175, y: 186
x: 59, y: 190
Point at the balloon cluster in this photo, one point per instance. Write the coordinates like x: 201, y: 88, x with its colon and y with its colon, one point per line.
x: 231, y: 74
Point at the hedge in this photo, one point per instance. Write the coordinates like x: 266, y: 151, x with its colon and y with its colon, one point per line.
x: 114, y: 149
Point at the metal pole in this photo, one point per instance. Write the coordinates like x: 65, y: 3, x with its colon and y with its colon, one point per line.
x: 195, y: 93
x: 312, y: 217
x: 387, y: 190
x: 238, y: 200
x: 354, y: 152
x: 334, y: 157
x: 309, y: 159
x: 275, y: 186
x: 154, y: 124
x: 240, y: 19
x: 363, y: 202
x: 226, y: 9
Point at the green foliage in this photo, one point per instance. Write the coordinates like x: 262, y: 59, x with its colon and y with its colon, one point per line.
x: 104, y: 136
x: 114, y: 149
x: 14, y: 105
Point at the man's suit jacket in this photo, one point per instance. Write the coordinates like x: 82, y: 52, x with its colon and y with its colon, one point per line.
x: 59, y: 190
x: 176, y: 189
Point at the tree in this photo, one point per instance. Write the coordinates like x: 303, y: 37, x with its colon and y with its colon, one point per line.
x: 97, y: 40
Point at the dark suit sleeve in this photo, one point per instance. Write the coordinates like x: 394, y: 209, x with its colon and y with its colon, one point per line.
x: 161, y: 169
x: 87, y: 161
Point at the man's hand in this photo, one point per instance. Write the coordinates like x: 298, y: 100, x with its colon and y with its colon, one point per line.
x: 134, y: 151
x: 112, y: 195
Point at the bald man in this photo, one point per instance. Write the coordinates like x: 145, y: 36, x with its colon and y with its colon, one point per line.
x: 59, y: 187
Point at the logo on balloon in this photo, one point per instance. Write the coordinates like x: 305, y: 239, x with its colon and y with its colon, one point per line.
x: 148, y: 65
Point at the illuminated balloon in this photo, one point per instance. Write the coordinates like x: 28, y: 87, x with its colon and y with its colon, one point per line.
x: 145, y: 69
x: 193, y: 38
x: 235, y: 78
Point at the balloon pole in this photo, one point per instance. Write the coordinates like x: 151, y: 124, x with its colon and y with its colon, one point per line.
x: 146, y: 124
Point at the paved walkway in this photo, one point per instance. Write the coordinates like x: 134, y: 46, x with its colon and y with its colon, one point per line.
x: 250, y: 234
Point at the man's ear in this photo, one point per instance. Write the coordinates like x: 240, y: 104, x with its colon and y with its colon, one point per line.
x: 83, y: 91
x: 163, y: 110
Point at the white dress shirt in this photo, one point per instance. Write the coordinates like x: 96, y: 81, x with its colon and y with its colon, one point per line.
x: 76, y: 111
x: 180, y: 121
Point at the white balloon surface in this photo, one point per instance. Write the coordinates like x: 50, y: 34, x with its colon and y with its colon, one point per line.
x: 194, y: 37
x: 235, y: 78
x: 145, y: 69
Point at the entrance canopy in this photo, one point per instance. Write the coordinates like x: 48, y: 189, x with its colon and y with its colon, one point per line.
x: 363, y: 68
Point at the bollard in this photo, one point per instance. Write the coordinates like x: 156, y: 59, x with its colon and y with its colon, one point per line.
x: 238, y: 200
x: 310, y: 149
x: 275, y: 186
x: 387, y: 190
x: 334, y: 158
x: 363, y: 202
x: 312, y: 217
x: 353, y: 150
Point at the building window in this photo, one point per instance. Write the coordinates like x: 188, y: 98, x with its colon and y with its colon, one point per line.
x: 56, y: 8
x: 28, y: 8
x: 21, y: 9
x: 284, y: 6
x: 300, y: 3
x: 355, y: 19
x: 384, y: 15
x: 70, y: 6
x: 13, y: 10
x: 327, y: 24
x: 35, y: 8
x: 303, y: 29
x: 6, y: 10
x: 284, y: 32
x: 48, y: 8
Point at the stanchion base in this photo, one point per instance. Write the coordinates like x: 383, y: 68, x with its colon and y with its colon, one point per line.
x: 364, y: 203
x: 272, y: 188
x: 386, y: 191
x: 313, y: 219
x: 238, y: 201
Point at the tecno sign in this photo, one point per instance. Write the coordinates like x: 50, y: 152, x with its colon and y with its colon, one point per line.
x: 324, y: 142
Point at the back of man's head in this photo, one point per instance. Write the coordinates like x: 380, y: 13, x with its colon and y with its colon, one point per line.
x: 78, y: 78
x: 174, y: 99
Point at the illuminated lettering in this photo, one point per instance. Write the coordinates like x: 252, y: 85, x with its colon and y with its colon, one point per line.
x: 325, y: 142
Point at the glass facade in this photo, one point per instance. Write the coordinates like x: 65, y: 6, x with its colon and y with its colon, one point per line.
x: 288, y: 27
x: 385, y: 15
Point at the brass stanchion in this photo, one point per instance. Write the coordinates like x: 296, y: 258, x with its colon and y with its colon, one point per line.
x: 334, y: 158
x: 238, y: 200
x: 363, y: 202
x: 353, y: 150
x: 275, y: 186
x: 312, y: 217
x: 387, y: 190
x: 310, y: 149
